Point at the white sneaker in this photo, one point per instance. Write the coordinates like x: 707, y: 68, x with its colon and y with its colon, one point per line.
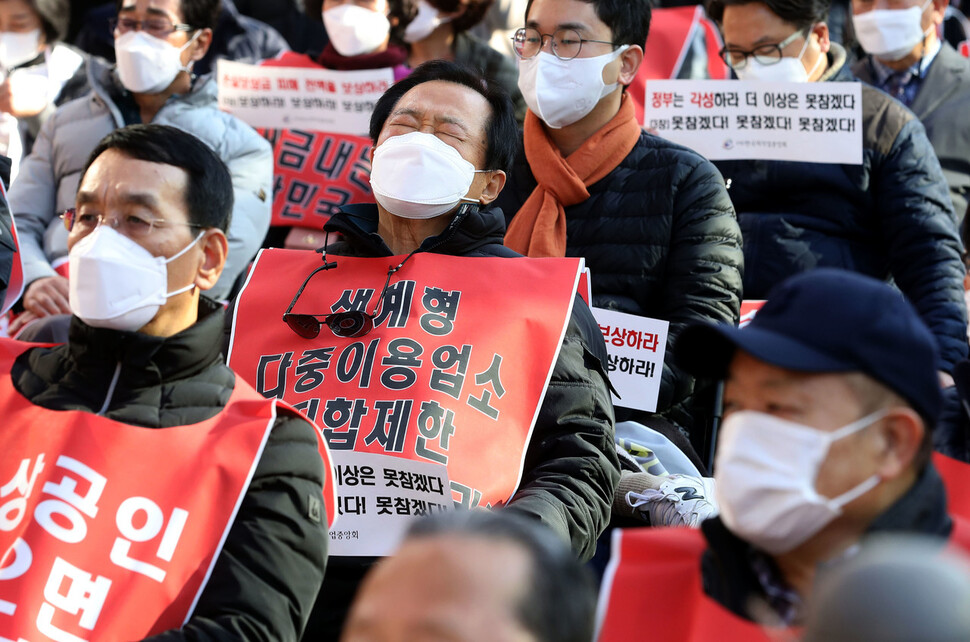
x: 682, y: 500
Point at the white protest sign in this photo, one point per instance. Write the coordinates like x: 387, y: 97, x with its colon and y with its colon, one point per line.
x: 636, y: 347
x: 377, y: 498
x: 816, y: 122
x: 339, y: 102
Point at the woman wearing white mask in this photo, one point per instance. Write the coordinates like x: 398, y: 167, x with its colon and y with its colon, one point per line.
x: 156, y: 45
x: 362, y: 37
x: 34, y: 71
x: 439, y: 30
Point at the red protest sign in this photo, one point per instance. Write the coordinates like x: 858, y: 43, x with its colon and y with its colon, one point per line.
x: 672, y: 36
x: 109, y: 531
x: 453, y: 372
x: 315, y: 173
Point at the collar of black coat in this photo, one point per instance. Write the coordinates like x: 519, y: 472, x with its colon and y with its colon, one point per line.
x: 473, y: 231
x: 729, y: 578
x: 155, y: 358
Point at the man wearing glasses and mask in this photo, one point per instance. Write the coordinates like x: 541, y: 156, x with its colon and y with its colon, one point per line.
x: 156, y: 44
x: 147, y: 237
x: 443, y: 139
x: 652, y: 219
x: 889, y: 218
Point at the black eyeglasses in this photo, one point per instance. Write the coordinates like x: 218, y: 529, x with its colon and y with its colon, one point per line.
x: 768, y: 54
x: 159, y: 27
x: 350, y: 324
x: 566, y: 43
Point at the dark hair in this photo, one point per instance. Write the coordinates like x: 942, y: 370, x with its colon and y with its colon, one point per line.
x: 628, y: 20
x: 201, y: 14
x: 501, y: 130
x: 475, y: 10
x: 209, y: 197
x: 560, y: 604
x: 803, y: 14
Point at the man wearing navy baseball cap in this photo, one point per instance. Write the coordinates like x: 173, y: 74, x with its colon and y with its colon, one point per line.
x: 831, y: 394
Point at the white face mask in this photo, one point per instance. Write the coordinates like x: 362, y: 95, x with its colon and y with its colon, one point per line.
x: 116, y: 283
x: 148, y: 65
x: 355, y: 30
x: 427, y: 20
x: 890, y: 34
x: 765, y: 473
x: 418, y: 176
x: 785, y: 70
x: 18, y: 48
x: 562, y: 92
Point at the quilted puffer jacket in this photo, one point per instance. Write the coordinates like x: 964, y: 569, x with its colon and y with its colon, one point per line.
x: 890, y: 217
x: 269, y: 571
x: 660, y: 239
x: 49, y: 176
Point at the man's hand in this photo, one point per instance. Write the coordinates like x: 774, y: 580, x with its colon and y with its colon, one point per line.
x: 47, y: 296
x: 20, y: 322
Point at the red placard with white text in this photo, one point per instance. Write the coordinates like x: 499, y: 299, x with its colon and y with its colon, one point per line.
x: 315, y: 173
x: 109, y: 531
x: 452, y: 374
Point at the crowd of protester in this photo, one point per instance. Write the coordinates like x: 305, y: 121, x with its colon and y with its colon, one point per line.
x: 800, y: 453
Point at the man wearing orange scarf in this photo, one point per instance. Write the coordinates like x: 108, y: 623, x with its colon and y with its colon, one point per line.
x: 652, y: 219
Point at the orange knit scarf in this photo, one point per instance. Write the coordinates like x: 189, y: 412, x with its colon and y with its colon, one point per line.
x: 539, y: 227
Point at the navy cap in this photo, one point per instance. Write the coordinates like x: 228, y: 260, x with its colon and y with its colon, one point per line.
x: 828, y: 320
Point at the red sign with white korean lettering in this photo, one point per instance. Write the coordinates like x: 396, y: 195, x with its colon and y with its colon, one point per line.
x: 315, y: 173
x: 452, y: 373
x: 109, y: 531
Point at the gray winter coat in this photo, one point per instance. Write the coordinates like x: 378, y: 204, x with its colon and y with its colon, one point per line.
x: 49, y: 176
x: 943, y: 106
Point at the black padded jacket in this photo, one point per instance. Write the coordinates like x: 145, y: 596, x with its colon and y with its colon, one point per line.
x: 271, y: 566
x: 661, y: 240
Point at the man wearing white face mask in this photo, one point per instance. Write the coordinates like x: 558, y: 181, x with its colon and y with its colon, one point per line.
x: 889, y: 217
x: 645, y: 214
x: 908, y: 60
x: 147, y: 238
x: 831, y: 397
x: 37, y: 71
x: 156, y: 43
x: 443, y: 138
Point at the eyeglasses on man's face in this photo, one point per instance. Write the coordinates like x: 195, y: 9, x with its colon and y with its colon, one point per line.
x: 156, y: 26
x: 131, y: 225
x: 566, y: 43
x: 768, y: 54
